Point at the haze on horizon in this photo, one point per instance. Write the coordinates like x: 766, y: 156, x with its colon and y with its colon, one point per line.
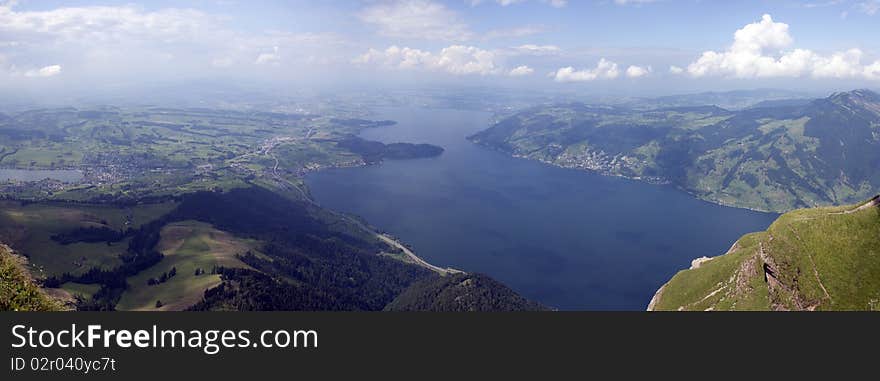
x: 634, y: 47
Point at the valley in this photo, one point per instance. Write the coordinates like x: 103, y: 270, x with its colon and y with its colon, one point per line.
x: 571, y: 240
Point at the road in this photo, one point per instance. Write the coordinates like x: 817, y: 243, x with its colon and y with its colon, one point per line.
x: 412, y: 256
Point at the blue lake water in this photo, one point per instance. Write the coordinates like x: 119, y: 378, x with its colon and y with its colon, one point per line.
x: 65, y: 175
x: 569, y: 239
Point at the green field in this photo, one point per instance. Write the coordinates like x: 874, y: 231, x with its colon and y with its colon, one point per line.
x: 129, y: 154
x: 28, y: 228
x: 78, y: 289
x: 187, y: 245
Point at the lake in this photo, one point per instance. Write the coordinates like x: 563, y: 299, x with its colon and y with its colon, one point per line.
x: 65, y: 175
x: 569, y: 239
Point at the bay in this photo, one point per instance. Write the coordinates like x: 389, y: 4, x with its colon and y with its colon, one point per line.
x: 570, y: 239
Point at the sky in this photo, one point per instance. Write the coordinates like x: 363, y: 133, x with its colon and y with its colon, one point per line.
x: 638, y: 47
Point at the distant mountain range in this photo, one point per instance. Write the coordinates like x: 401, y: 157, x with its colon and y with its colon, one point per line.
x: 773, y: 156
x: 731, y: 100
x: 811, y: 259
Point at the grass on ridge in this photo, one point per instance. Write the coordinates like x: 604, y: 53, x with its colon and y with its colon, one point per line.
x: 187, y: 245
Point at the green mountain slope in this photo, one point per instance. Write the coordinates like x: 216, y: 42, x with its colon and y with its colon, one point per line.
x: 17, y: 290
x: 245, y: 249
x: 809, y: 259
x: 731, y: 100
x: 776, y: 157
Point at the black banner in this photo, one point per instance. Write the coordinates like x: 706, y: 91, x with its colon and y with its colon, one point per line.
x: 411, y: 345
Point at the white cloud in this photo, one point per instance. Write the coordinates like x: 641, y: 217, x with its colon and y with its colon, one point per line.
x: 537, y: 50
x: 107, y: 43
x: 520, y: 71
x: 416, y: 19
x: 873, y: 71
x: 556, y: 3
x: 604, y: 70
x: 522, y: 31
x: 47, y: 71
x: 504, y: 3
x: 222, y: 62
x: 455, y: 59
x: 870, y: 7
x: 395, y: 56
x: 630, y: 2
x: 822, y: 4
x: 676, y: 70
x: 104, y: 24
x: 839, y: 65
x: 638, y: 71
x: 269, y: 58
x: 459, y: 59
x: 760, y: 50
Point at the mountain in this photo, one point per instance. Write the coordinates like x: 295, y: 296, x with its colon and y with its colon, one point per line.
x: 461, y: 292
x: 18, y: 292
x: 772, y: 158
x: 248, y: 249
x: 782, y: 103
x: 810, y: 259
x: 733, y: 100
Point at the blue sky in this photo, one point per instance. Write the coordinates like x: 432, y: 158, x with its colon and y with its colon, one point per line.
x: 632, y: 46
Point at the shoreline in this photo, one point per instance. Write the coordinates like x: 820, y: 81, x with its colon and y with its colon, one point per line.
x: 646, y: 180
x: 387, y: 239
x: 415, y: 258
x: 656, y: 298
